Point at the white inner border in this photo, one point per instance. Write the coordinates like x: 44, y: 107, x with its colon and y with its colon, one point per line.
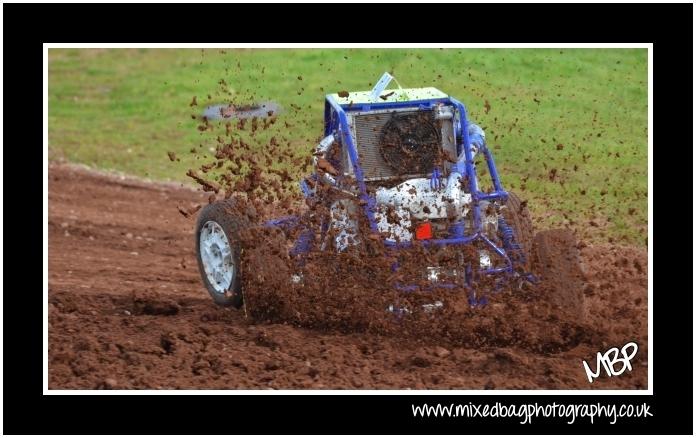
x: 648, y: 46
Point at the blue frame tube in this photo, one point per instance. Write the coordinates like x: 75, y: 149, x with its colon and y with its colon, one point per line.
x: 468, y: 165
x: 347, y: 139
x: 465, y: 167
x: 499, y: 192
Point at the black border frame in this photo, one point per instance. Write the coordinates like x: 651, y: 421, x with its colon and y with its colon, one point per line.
x: 26, y: 27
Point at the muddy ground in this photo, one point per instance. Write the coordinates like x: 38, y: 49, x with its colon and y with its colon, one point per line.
x: 127, y: 310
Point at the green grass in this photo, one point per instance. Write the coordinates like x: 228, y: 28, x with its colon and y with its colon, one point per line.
x: 125, y: 109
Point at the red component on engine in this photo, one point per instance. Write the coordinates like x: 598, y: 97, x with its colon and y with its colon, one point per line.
x: 424, y: 231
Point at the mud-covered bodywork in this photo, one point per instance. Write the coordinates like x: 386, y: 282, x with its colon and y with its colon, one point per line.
x: 403, y: 165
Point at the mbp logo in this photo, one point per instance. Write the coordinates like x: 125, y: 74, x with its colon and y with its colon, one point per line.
x: 609, y: 359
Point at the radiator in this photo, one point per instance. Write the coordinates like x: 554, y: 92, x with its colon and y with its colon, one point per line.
x: 366, y: 129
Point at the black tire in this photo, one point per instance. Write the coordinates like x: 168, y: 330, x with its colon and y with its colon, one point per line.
x: 556, y: 262
x: 232, y: 223
x: 517, y: 216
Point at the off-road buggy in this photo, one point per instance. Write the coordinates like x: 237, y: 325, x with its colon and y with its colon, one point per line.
x: 401, y: 167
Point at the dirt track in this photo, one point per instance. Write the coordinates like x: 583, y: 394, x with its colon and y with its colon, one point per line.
x: 127, y: 310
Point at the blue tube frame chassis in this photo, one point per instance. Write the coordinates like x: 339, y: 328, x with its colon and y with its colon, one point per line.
x: 336, y: 122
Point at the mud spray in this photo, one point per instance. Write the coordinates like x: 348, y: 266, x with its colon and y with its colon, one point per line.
x: 351, y: 291
x: 127, y: 309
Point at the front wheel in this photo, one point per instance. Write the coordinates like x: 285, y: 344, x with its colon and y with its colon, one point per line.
x: 218, y: 251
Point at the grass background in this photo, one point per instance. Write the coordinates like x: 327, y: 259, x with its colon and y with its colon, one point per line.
x: 124, y: 109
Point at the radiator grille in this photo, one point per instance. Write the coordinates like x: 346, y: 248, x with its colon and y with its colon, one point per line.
x: 367, y: 129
